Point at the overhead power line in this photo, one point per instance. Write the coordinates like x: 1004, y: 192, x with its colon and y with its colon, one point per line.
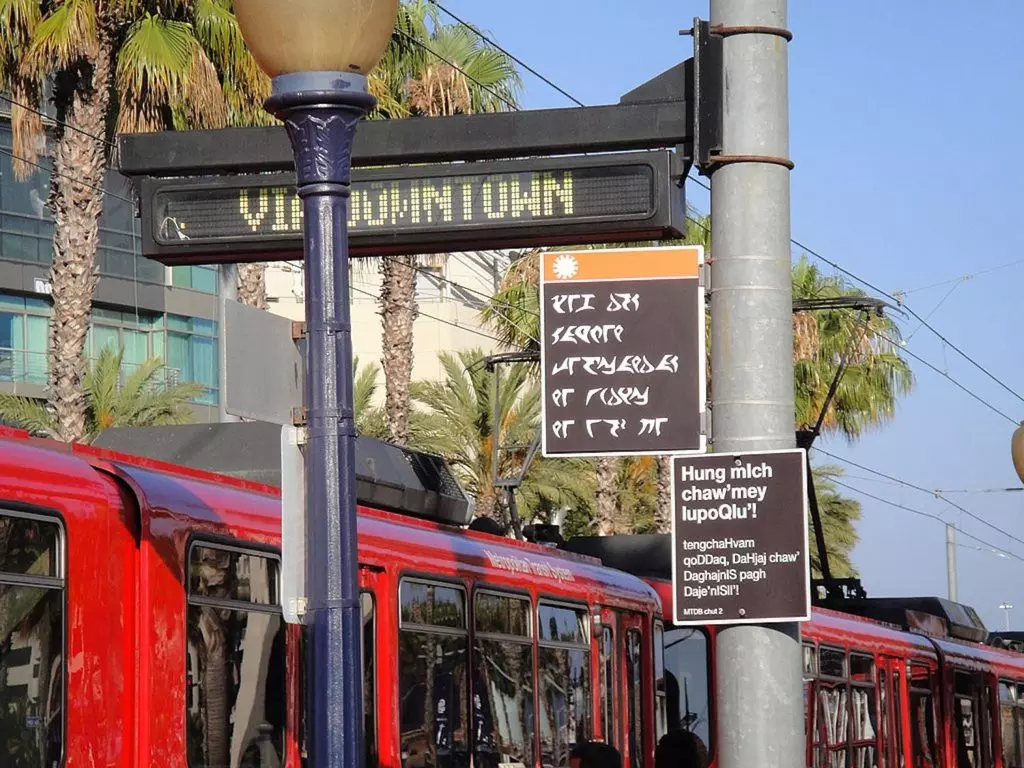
x: 944, y: 375
x: 514, y: 58
x: 416, y: 41
x: 931, y: 516
x: 467, y: 328
x: 55, y: 121
x: 962, y: 278
x: 69, y: 177
x: 930, y: 491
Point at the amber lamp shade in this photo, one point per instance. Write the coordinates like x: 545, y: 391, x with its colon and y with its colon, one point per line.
x: 1017, y: 451
x: 288, y: 36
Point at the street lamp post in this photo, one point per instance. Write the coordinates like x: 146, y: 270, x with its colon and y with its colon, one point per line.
x: 1006, y: 608
x: 318, y: 54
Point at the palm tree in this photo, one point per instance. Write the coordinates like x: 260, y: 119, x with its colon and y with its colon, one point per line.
x: 876, y: 376
x: 838, y: 515
x: 459, y: 425
x: 110, y: 66
x: 112, y: 399
x: 514, y: 315
x: 418, y: 82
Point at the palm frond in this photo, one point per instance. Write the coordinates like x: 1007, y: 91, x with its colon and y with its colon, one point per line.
x: 29, y: 414
x: 69, y: 31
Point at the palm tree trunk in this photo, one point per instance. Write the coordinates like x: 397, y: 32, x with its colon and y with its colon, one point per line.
x: 663, y: 513
x: 79, y: 167
x: 252, y: 285
x: 606, y: 496
x: 398, y: 311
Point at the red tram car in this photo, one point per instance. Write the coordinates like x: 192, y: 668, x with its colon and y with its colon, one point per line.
x: 889, y: 683
x: 140, y: 623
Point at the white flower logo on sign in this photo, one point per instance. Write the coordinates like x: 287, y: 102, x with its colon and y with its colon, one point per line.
x: 566, y: 267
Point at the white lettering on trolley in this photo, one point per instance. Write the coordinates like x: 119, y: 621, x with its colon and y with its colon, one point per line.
x: 525, y: 565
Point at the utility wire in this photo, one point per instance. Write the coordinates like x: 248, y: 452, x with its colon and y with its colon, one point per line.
x: 517, y: 60
x: 945, y: 375
x: 74, y: 179
x: 416, y: 41
x: 54, y: 120
x: 467, y: 328
x: 931, y: 516
x: 922, y: 489
x: 962, y: 278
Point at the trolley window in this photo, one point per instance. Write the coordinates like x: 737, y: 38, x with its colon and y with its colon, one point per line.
x: 864, y: 714
x: 503, y: 721
x: 845, y: 722
x: 236, y: 688
x: 369, y: 649
x: 634, y: 695
x: 971, y: 721
x: 608, y: 686
x: 32, y: 639
x: 660, y: 708
x: 922, y: 716
x: 1007, y: 725
x: 687, y: 690
x: 433, y: 688
x: 564, y: 679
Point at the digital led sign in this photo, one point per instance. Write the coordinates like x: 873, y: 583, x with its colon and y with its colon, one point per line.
x: 421, y: 209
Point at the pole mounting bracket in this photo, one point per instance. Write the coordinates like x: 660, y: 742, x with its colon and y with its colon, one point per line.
x: 723, y: 31
x: 716, y: 161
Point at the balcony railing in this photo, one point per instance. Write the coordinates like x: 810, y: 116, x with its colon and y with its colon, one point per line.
x: 22, y: 366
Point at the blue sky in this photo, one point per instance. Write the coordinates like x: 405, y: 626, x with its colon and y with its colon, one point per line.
x: 904, y: 122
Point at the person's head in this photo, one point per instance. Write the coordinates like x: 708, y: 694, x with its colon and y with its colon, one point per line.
x: 680, y: 749
x: 594, y: 754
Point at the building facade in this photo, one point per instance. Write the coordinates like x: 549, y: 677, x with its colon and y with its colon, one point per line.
x: 451, y: 289
x: 146, y: 308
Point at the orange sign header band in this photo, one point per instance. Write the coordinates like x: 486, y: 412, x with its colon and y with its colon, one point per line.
x: 622, y: 264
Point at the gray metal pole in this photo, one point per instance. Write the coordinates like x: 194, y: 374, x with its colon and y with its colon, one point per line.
x: 951, y: 562
x: 228, y: 284
x: 758, y: 673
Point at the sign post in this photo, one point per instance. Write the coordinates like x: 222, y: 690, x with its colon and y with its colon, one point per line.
x: 622, y: 352
x: 740, y: 541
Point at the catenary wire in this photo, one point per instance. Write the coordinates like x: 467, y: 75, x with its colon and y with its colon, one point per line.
x: 698, y: 181
x: 416, y: 41
x: 54, y: 120
x: 514, y: 58
x: 931, y: 516
x: 962, y: 278
x: 443, y: 320
x: 69, y: 177
x: 921, y: 489
x: 944, y: 374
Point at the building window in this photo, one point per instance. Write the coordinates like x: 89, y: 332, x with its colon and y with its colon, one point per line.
x: 433, y: 710
x: 203, y: 279
x: 31, y: 640
x: 192, y: 354
x: 564, y: 680
x: 503, y: 719
x: 26, y: 229
x: 24, y: 338
x: 236, y: 690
